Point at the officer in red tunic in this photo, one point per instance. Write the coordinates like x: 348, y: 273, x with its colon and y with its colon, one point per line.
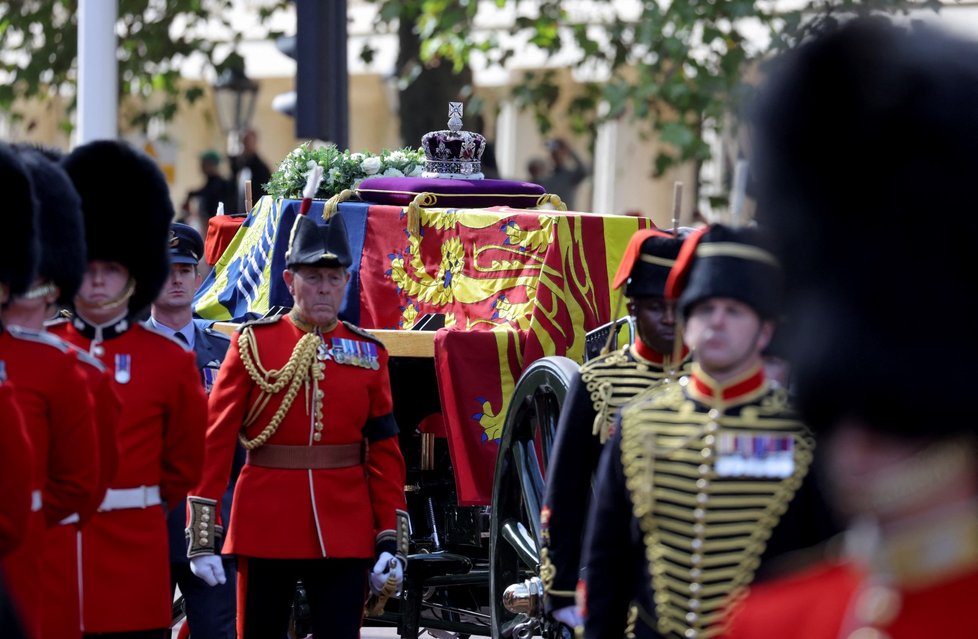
x: 62, y: 265
x: 865, y: 137
x: 603, y: 385
x: 124, y: 549
x: 320, y: 497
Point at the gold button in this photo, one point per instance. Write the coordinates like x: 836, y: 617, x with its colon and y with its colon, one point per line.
x: 317, y: 436
x: 868, y: 633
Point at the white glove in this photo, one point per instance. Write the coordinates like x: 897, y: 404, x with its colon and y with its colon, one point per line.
x: 569, y: 616
x: 209, y: 568
x: 385, y: 566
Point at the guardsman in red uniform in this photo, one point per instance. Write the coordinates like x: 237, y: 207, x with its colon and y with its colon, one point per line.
x: 888, y: 110
x: 603, y: 385
x: 59, y: 417
x: 125, y: 573
x: 62, y: 264
x: 18, y: 261
x: 320, y: 497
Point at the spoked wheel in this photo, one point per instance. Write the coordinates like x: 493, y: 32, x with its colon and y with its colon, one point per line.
x: 516, y: 592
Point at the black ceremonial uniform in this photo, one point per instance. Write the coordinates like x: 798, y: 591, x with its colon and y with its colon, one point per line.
x: 700, y: 474
x: 602, y: 386
x: 708, y: 527
x: 596, y: 394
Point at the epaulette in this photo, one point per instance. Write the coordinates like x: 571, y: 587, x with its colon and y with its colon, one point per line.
x: 87, y: 358
x: 40, y: 337
x: 56, y: 322
x: 155, y: 331
x: 212, y: 333
x: 362, y: 333
x: 613, y: 358
x: 261, y: 321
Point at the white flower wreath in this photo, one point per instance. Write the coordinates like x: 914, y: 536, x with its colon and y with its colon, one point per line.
x: 341, y: 169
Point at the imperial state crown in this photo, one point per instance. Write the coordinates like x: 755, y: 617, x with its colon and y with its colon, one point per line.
x: 453, y: 153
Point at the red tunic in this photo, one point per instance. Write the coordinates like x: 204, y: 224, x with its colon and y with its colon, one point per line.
x: 818, y: 603
x: 58, y: 413
x: 16, y: 470
x: 61, y: 598
x: 304, y: 514
x: 125, y: 556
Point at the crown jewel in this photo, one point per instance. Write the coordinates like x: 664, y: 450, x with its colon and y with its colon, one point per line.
x: 453, y: 153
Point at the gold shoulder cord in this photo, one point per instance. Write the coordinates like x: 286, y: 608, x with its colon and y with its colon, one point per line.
x: 302, y: 366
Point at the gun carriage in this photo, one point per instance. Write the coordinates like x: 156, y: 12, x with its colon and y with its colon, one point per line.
x: 486, y: 311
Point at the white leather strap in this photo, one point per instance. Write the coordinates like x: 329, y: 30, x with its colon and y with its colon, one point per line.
x: 36, y: 501
x: 73, y: 518
x: 122, y: 498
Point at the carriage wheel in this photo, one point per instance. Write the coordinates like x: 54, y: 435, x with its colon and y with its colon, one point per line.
x: 517, y: 492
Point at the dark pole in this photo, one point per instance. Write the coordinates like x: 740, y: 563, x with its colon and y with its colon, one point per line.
x: 322, y: 103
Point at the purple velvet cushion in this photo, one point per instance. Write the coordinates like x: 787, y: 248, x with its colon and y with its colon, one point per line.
x: 400, y: 191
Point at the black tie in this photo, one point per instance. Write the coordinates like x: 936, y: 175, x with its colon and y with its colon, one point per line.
x: 182, y: 339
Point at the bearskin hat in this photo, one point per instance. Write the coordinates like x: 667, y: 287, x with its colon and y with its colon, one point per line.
x: 127, y: 211
x: 864, y: 142
x: 61, y: 231
x: 18, y: 259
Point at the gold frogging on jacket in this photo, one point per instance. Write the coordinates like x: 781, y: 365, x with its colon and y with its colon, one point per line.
x: 704, y: 533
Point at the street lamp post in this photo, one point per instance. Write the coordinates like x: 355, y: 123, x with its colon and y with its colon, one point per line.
x: 234, y: 98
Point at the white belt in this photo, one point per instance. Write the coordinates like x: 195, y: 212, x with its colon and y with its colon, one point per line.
x: 36, y: 501
x: 122, y: 498
x: 73, y: 518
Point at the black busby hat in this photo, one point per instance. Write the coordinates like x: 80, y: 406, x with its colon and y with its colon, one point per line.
x: 311, y: 244
x: 186, y: 244
x: 18, y: 258
x: 723, y: 261
x: 61, y: 230
x: 648, y: 258
x: 865, y: 137
x: 127, y: 210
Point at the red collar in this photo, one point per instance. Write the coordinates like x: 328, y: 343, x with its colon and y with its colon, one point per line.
x: 643, y: 351
x: 741, y: 389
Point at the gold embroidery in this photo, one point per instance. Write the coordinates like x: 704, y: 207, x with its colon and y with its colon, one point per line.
x: 704, y: 534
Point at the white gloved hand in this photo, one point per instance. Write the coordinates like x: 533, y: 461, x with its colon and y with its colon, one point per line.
x: 569, y: 616
x: 386, y: 565
x: 209, y: 568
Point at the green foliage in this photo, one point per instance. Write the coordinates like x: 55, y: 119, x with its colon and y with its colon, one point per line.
x: 676, y: 66
x: 341, y: 169
x: 39, y: 45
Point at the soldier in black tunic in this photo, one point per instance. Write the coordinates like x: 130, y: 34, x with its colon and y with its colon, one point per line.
x: 602, y: 386
x: 694, y: 487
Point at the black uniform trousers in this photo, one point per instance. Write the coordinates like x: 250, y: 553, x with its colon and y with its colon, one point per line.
x: 336, y: 590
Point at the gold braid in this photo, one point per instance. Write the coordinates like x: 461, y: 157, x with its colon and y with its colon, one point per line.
x: 302, y: 366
